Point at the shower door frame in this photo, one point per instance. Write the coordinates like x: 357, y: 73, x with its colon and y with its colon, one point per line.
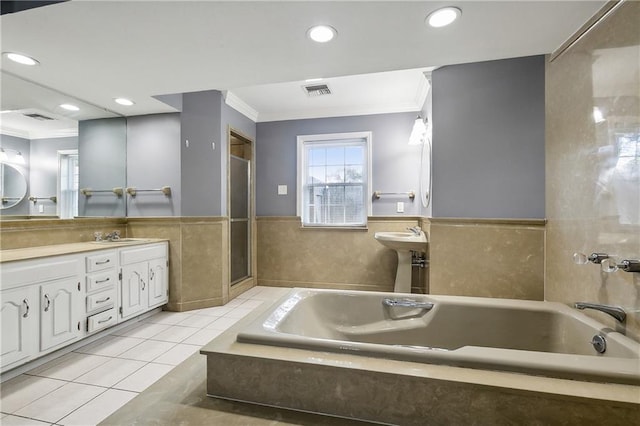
x: 240, y: 286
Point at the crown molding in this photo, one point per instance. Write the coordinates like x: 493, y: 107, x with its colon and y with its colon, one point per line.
x: 241, y: 106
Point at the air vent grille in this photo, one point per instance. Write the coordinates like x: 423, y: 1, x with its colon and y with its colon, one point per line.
x: 37, y: 116
x: 317, y: 90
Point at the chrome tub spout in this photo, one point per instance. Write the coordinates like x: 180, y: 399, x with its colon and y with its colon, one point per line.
x: 615, y: 311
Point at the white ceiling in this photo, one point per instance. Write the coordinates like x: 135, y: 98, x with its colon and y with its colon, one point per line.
x: 100, y: 50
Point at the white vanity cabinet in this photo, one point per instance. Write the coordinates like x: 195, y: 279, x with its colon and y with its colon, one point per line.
x: 50, y: 300
x: 145, y: 281
x: 19, y: 308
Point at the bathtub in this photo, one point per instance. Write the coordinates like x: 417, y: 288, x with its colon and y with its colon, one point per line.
x: 539, y: 338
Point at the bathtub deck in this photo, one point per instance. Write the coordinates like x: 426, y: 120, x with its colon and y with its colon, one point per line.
x: 390, y: 391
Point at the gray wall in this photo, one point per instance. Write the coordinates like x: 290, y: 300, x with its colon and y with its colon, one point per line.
x: 488, y: 139
x: 43, y: 179
x: 102, y: 148
x: 395, y: 163
x: 201, y: 164
x: 153, y: 161
x: 22, y: 145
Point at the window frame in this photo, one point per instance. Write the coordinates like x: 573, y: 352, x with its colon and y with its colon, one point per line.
x: 302, y: 167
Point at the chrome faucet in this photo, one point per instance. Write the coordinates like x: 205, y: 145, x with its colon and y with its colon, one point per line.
x: 113, y: 236
x: 416, y: 230
x: 615, y: 311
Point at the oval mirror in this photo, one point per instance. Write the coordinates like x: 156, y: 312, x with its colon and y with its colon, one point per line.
x: 13, y: 186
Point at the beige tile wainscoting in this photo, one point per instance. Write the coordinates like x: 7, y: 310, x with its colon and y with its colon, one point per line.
x: 292, y: 256
x: 487, y: 258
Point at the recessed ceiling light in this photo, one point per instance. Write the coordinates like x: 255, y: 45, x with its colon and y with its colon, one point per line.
x: 21, y: 59
x: 322, y: 33
x: 312, y: 80
x: 443, y: 17
x: 69, y: 107
x: 124, y: 101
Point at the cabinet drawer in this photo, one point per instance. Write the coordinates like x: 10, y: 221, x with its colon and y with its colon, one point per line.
x: 101, y: 261
x: 102, y: 320
x: 142, y: 254
x: 102, y: 300
x: 101, y: 281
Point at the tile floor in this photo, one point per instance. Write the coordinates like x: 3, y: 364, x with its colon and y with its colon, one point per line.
x: 85, y: 386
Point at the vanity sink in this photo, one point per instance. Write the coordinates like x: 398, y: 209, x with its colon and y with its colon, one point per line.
x: 405, y: 241
x: 124, y: 240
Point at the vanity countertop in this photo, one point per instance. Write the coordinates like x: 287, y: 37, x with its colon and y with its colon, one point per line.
x: 13, y: 255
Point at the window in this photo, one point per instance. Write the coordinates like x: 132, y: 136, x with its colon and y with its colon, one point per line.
x: 69, y: 179
x: 334, y: 177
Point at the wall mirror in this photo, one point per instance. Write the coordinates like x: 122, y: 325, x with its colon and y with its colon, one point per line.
x: 13, y: 186
x: 62, y: 152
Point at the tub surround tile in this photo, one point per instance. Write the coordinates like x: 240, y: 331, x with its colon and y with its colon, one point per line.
x: 592, y: 198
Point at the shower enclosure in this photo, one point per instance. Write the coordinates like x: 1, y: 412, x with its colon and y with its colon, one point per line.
x: 240, y: 209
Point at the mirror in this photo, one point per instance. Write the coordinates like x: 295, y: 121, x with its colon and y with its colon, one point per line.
x: 13, y: 186
x: 34, y: 123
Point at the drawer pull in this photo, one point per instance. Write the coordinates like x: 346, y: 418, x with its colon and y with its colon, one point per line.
x: 106, y: 320
x: 26, y: 307
x: 46, y: 298
x: 103, y: 300
x: 102, y: 262
x: 102, y: 281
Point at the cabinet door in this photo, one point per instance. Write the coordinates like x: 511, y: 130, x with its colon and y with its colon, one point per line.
x: 135, y: 279
x: 158, y: 282
x: 60, y: 307
x: 19, y: 316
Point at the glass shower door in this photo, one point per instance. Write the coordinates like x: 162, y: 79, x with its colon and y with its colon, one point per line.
x: 240, y: 191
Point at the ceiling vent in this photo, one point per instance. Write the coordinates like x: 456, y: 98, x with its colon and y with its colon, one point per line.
x: 317, y: 90
x: 37, y: 116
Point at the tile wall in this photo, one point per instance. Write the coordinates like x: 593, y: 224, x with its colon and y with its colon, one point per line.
x: 593, y: 165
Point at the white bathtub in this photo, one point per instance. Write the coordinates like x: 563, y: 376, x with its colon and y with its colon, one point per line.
x: 541, y: 338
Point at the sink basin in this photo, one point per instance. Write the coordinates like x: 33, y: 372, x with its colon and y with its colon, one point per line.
x: 403, y: 241
x: 123, y: 240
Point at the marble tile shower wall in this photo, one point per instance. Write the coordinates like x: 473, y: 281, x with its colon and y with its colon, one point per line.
x: 593, y: 166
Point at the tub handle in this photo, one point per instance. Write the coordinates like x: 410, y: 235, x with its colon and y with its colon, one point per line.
x: 407, y: 303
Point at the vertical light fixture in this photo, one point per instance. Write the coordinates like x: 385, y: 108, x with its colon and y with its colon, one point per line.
x: 418, y: 133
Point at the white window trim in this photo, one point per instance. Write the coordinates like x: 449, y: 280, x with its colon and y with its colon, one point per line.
x: 302, y: 139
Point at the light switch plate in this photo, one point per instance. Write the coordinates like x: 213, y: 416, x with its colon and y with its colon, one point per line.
x: 400, y: 207
x: 282, y: 189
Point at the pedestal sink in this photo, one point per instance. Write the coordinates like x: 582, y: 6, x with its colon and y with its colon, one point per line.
x: 403, y: 243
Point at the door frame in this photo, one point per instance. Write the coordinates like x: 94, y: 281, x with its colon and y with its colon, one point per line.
x: 251, y: 281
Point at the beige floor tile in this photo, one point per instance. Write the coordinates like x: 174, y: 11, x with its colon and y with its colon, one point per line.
x: 203, y: 337
x: 110, y: 346
x: 216, y: 311
x: 170, y: 318
x: 198, y: 321
x: 142, y: 330
x: 238, y: 313
x: 222, y: 323
x: 71, y: 365
x: 147, y: 350
x: 110, y: 373
x: 143, y: 378
x: 61, y: 402
x: 21, y: 421
x: 23, y: 390
x: 251, y: 303
x: 175, y: 334
x: 98, y: 409
x: 177, y: 354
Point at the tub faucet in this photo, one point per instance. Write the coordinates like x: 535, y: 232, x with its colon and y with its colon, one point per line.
x: 615, y: 311
x: 416, y: 230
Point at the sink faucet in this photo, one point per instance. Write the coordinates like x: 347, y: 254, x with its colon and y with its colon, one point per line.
x: 416, y: 230
x: 113, y: 236
x: 615, y: 311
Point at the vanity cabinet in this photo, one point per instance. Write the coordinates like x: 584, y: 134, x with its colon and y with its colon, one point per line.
x: 145, y: 282
x: 19, y: 316
x: 51, y: 301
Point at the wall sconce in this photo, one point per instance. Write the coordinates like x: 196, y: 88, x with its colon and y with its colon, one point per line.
x: 18, y: 157
x: 419, y: 132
